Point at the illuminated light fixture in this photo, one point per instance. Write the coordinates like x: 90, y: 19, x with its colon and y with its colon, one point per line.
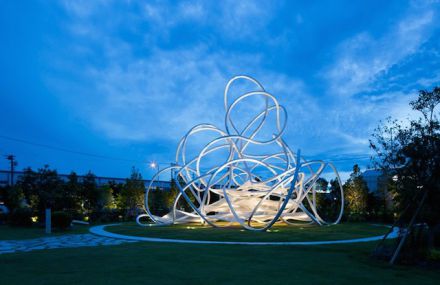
x: 241, y: 176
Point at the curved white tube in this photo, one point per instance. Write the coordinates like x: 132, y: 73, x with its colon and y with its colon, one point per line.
x: 253, y: 188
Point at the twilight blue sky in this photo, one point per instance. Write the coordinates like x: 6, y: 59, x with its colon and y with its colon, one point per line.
x: 126, y: 79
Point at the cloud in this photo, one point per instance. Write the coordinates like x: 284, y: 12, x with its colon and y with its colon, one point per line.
x: 368, y: 79
x: 428, y: 82
x: 362, y: 58
x: 159, y: 93
x: 235, y: 20
x: 165, y: 94
x: 143, y: 85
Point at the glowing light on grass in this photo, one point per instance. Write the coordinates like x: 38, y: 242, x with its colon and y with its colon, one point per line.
x: 255, y: 181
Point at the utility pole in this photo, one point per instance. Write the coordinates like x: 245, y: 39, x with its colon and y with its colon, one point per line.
x: 13, y: 163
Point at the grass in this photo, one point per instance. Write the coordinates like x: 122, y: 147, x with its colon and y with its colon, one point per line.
x: 156, y: 263
x: 10, y: 233
x: 304, y: 232
x: 152, y: 263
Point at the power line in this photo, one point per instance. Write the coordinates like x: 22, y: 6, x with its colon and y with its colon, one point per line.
x: 69, y: 150
x: 338, y: 158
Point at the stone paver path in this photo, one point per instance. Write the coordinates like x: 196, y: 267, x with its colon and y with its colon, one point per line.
x: 64, y: 241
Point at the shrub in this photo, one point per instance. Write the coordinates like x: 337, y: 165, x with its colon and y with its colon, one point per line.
x: 434, y: 255
x: 3, y: 218
x: 21, y: 217
x: 106, y: 216
x: 75, y: 214
x: 61, y: 220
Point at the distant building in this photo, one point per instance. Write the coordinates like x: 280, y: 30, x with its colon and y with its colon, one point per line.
x: 376, y: 179
x: 377, y: 184
x: 319, y: 188
x: 372, y: 178
x: 5, y: 178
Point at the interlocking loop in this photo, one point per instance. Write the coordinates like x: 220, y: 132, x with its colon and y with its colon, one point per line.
x: 242, y: 177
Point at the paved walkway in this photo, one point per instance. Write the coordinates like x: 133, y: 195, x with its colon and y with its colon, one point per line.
x: 64, y: 241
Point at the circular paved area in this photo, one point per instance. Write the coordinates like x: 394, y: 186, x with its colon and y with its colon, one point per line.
x: 100, y: 230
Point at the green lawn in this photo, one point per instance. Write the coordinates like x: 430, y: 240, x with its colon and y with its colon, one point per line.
x: 156, y: 263
x: 9, y: 233
x: 305, y: 232
x: 153, y: 263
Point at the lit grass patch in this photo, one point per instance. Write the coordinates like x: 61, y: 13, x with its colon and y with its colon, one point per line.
x: 302, y: 232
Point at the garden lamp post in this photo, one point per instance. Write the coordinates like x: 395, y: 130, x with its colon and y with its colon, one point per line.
x: 154, y: 165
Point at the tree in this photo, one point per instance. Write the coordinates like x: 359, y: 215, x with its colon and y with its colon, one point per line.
x: 131, y: 197
x: 183, y: 203
x: 14, y: 197
x: 157, y: 202
x: 106, y: 200
x: 28, y: 183
x: 72, y: 193
x: 410, y: 152
x: 356, y: 195
x: 171, y: 194
x: 49, y: 189
x: 89, y: 192
x: 320, y: 198
x: 381, y: 202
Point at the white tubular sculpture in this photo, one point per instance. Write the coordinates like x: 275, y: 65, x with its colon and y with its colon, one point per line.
x: 256, y: 183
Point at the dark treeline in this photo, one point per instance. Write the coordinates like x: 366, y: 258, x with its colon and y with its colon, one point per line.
x: 79, y: 198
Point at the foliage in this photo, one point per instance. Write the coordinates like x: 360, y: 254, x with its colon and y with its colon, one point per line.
x: 80, y: 196
x: 14, y: 197
x: 157, y: 202
x: 183, y: 204
x: 61, y: 220
x: 409, y: 151
x: 42, y: 189
x: 356, y: 196
x: 49, y: 187
x: 328, y: 204
x: 106, y: 215
x: 131, y: 197
x: 90, y: 192
x: 21, y: 217
x: 380, y: 204
x: 434, y: 255
x: 171, y: 194
x: 73, y: 194
x: 106, y: 200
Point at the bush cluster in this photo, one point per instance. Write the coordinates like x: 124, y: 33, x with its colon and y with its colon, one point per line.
x: 78, y: 198
x: 21, y: 217
x: 61, y: 220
